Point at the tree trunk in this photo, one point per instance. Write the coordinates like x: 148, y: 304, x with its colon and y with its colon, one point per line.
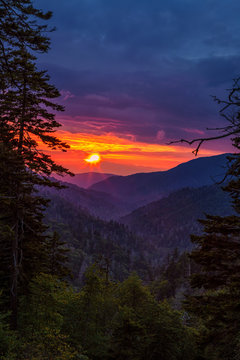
x: 14, y: 278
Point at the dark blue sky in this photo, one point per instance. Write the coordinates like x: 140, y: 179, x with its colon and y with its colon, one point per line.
x: 147, y: 67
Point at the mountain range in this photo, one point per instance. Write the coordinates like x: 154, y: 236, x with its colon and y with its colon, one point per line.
x: 84, y: 180
x: 140, y: 237
x: 169, y: 222
x: 92, y: 239
x: 96, y: 203
x: 142, y: 188
x: 117, y: 196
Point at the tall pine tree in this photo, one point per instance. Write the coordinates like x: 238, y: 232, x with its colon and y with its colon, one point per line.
x: 27, y: 117
x: 218, y: 253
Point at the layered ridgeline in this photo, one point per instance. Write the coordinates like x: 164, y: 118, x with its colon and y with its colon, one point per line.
x: 85, y: 180
x: 91, y: 239
x: 143, y: 239
x: 142, y: 188
x: 169, y: 222
x: 145, y: 236
x: 117, y: 196
x: 96, y: 203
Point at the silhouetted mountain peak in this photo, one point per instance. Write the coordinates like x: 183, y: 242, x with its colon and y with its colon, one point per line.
x: 142, y: 188
x: 85, y: 180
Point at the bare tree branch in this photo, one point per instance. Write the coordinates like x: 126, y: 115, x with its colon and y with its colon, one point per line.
x: 233, y: 118
x: 200, y: 141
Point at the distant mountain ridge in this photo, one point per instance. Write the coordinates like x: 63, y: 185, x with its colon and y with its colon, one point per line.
x: 85, y: 180
x: 90, y: 239
x: 118, y: 196
x: 143, y: 239
x: 154, y: 230
x: 142, y: 188
x: 96, y: 203
x: 169, y: 222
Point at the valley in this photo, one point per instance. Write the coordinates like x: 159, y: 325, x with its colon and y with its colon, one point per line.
x: 104, y: 225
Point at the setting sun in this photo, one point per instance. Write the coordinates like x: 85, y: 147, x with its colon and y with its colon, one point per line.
x: 93, y: 158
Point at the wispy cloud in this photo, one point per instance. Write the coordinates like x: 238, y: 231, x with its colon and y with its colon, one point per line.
x: 142, y: 72
x: 66, y: 94
x: 125, y: 152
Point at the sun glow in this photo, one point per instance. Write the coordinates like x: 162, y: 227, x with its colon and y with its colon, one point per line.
x: 93, y: 159
x: 119, y: 155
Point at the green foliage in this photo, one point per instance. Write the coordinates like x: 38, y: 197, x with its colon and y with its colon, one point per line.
x: 90, y: 313
x: 8, y: 340
x: 104, y: 320
x: 27, y: 117
x: 217, y: 304
x: 146, y: 329
x: 21, y: 226
x: 57, y: 256
x: 89, y: 238
x: 41, y: 320
x: 217, y: 252
x: 124, y: 321
x: 171, y: 279
x: 167, y: 223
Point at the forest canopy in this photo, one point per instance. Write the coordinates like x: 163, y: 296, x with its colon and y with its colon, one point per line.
x: 43, y: 313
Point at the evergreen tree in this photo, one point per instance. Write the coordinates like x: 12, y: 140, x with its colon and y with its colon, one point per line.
x: 18, y: 18
x: 25, y: 99
x: 217, y: 301
x: 90, y: 314
x: 57, y: 257
x: 22, y: 240
x: 41, y: 321
x: 146, y: 329
x: 24, y: 108
x: 217, y: 252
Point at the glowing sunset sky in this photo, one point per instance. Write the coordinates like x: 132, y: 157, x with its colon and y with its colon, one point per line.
x: 137, y: 74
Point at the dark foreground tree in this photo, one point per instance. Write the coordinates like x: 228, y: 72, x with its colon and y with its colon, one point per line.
x: 20, y: 18
x: 217, y: 251
x: 115, y: 321
x: 57, y: 256
x: 27, y: 118
x: 23, y: 243
x: 27, y: 107
x: 217, y: 301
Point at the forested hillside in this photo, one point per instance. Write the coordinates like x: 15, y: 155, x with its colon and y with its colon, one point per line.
x: 97, y: 203
x: 144, y: 239
x: 169, y: 222
x: 114, y: 203
x: 143, y: 188
x: 75, y: 285
x: 91, y: 239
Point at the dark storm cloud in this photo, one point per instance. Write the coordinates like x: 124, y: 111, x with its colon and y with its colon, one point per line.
x: 152, y: 28
x: 150, y: 65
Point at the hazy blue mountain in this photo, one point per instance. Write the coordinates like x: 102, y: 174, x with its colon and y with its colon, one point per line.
x: 139, y: 189
x: 154, y: 230
x: 84, y: 180
x: 143, y: 239
x: 92, y: 239
x: 168, y: 222
x: 96, y: 203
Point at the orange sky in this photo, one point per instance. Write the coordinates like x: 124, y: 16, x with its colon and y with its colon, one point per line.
x: 121, y: 156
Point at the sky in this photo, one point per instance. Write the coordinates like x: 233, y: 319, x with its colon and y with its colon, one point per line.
x: 137, y: 74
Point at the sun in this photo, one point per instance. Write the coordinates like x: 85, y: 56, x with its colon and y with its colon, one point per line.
x: 93, y: 159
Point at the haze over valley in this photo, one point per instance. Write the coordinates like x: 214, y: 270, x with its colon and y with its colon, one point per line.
x: 136, y: 221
